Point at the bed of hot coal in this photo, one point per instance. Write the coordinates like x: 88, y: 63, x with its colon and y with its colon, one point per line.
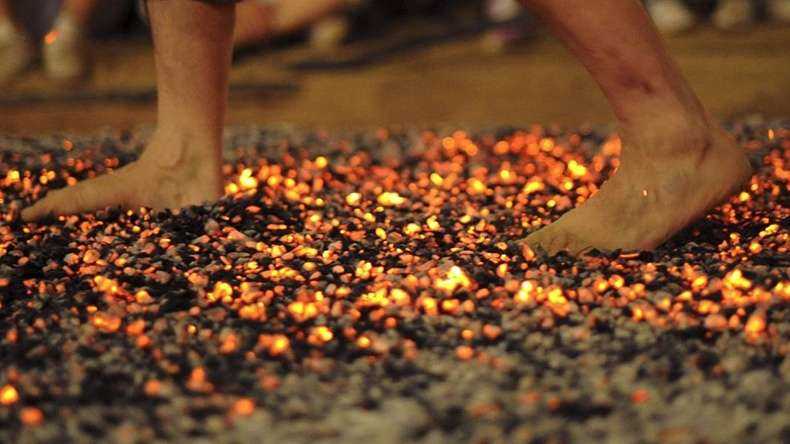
x: 370, y: 287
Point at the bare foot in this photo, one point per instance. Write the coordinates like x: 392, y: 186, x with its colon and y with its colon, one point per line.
x: 662, y: 185
x: 168, y: 175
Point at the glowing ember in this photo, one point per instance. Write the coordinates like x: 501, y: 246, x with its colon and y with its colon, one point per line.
x: 332, y: 269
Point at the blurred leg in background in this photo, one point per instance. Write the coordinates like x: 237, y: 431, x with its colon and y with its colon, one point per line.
x: 17, y: 51
x: 734, y: 15
x: 262, y: 20
x: 778, y: 10
x: 671, y: 16
x: 514, y: 29
x: 66, y: 51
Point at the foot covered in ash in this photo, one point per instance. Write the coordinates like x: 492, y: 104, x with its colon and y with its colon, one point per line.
x: 373, y: 287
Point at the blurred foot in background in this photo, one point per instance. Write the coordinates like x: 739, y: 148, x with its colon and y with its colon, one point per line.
x: 778, y: 10
x: 509, y: 33
x: 676, y: 16
x: 259, y: 21
x: 64, y: 49
x: 671, y: 16
x: 734, y: 15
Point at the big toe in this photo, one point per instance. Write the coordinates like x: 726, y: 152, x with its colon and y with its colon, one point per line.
x: 540, y: 241
x: 87, y: 196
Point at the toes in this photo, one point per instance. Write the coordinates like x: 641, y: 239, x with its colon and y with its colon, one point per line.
x: 553, y: 239
x: 559, y: 241
x: 87, y: 196
x: 534, y: 241
x: 539, y: 240
x: 39, y: 210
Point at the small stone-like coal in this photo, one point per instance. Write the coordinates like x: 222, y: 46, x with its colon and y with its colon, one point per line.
x: 371, y: 287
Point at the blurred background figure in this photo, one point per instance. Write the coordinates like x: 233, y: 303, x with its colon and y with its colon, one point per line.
x: 54, y: 30
x: 516, y: 24
x: 259, y: 21
x: 677, y: 16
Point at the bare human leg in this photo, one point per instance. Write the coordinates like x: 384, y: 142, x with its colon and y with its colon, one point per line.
x: 677, y: 163
x: 181, y: 165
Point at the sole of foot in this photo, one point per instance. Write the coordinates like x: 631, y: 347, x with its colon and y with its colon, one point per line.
x: 649, y: 199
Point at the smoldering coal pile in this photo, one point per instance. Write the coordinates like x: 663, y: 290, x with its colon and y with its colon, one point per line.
x: 369, y: 287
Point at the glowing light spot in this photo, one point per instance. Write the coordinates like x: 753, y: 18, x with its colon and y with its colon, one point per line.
x: 456, y: 278
x: 464, y: 352
x: 152, y: 387
x: 400, y: 297
x: 735, y: 279
x: 640, y: 396
x: 229, y: 344
x: 222, y: 291
x: 51, y: 37
x: 198, y: 381
x: 363, y: 269
x: 12, y: 177
x: 231, y: 188
x: 507, y: 176
x: 616, y: 281
x: 31, y: 416
x: 324, y: 334
x: 755, y: 325
x: 321, y: 162
x: 433, y: 224
x: 363, y: 342
x: 8, y: 395
x: 412, y: 229
x: 699, y: 283
x: 375, y: 299
x: 525, y: 292
x: 390, y: 199
x: 576, y: 169
x: 556, y: 297
x: 243, y: 407
x: 353, y: 199
x: 476, y: 187
x: 106, y: 322
x: 280, y: 345
x: 247, y: 181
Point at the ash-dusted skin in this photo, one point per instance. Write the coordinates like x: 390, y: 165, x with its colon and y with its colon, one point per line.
x: 677, y: 163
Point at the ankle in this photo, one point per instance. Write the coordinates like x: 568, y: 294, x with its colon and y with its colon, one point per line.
x: 177, y: 149
x: 671, y: 134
